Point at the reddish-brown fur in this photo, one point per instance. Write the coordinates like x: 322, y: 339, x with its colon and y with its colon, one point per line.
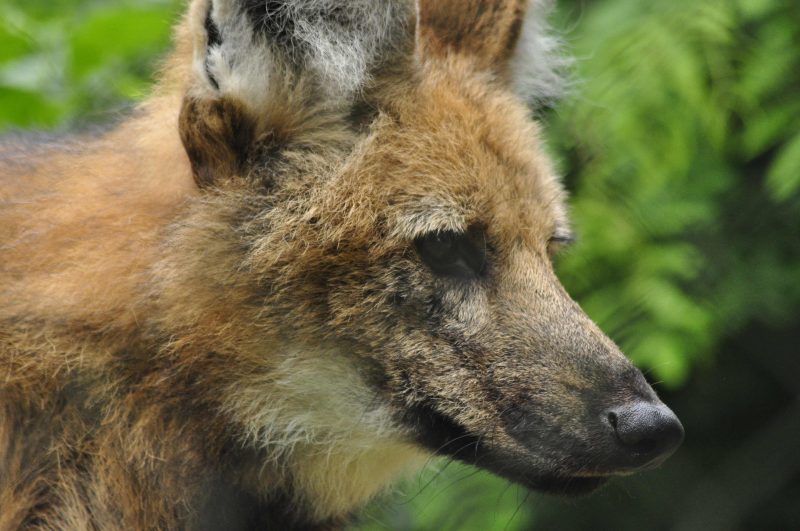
x: 214, y: 315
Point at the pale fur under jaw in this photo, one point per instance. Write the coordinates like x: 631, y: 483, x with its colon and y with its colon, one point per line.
x: 313, y: 414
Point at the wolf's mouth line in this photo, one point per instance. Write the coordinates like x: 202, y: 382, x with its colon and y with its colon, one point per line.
x: 447, y: 437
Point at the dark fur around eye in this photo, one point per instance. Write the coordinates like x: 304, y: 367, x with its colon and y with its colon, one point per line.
x: 454, y: 254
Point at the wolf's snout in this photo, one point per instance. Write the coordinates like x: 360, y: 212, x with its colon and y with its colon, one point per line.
x: 646, y: 432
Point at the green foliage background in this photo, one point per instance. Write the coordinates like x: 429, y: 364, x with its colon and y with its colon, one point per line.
x: 681, y: 147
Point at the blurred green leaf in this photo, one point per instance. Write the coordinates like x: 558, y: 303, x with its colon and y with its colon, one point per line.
x: 784, y: 174
x: 665, y: 355
x: 15, y: 43
x: 21, y: 108
x: 126, y: 35
x: 769, y: 126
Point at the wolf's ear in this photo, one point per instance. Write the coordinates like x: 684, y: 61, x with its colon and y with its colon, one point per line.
x: 510, y: 38
x: 267, y: 70
x: 486, y: 30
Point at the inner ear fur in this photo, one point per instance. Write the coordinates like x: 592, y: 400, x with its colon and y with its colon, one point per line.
x: 485, y: 30
x: 217, y: 135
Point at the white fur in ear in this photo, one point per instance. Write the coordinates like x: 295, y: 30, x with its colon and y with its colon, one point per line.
x: 331, y: 42
x: 342, y: 40
x: 539, y: 67
x: 232, y: 60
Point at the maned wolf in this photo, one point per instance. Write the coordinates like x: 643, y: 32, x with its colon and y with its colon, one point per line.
x: 318, y: 254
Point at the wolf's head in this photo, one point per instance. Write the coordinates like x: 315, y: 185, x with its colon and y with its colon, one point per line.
x: 371, y: 250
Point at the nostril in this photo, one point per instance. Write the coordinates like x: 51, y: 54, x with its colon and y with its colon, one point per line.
x: 612, y: 419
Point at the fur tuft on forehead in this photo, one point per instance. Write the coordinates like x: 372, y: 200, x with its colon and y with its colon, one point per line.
x: 539, y: 65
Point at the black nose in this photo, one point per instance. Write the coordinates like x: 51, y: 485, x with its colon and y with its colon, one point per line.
x: 647, y: 432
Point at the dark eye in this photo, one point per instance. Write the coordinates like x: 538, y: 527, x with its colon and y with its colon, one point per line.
x: 454, y: 254
x: 559, y: 240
